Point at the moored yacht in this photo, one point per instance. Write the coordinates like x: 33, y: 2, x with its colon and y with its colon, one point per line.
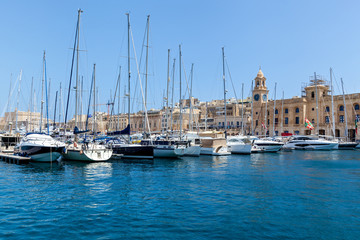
x: 310, y: 143
x: 87, y: 152
x: 213, y: 143
x: 239, y: 145
x: 164, y: 148
x: 129, y: 150
x: 214, y: 146
x: 39, y: 147
x: 266, y: 145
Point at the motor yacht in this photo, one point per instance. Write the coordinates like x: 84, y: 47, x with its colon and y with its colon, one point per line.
x: 239, y: 145
x: 39, y: 147
x: 265, y: 145
x: 310, y: 143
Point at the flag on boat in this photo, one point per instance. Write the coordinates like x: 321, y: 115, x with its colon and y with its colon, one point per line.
x: 308, y: 124
x: 263, y: 125
x: 356, y: 126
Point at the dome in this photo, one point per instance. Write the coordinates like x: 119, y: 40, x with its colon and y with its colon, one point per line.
x: 260, y: 74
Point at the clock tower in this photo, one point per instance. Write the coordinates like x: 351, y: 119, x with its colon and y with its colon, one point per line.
x: 260, y: 92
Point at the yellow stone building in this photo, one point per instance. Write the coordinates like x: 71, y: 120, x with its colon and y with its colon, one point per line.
x: 289, y: 115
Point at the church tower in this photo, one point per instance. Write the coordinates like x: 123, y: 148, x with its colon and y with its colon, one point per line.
x: 260, y: 92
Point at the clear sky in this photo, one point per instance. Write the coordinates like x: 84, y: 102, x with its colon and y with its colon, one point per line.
x: 289, y: 39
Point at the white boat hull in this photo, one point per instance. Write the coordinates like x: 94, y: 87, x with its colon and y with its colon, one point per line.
x: 45, y: 157
x: 312, y: 146
x: 168, y: 152
x: 240, y: 148
x: 264, y: 149
x: 193, y: 151
x: 214, y: 151
x: 91, y: 154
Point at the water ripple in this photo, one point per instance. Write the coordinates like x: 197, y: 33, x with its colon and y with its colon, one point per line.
x: 291, y: 195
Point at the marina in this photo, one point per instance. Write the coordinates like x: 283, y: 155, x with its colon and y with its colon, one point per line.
x: 180, y: 120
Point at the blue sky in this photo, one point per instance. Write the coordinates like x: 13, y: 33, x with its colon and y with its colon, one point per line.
x: 289, y: 39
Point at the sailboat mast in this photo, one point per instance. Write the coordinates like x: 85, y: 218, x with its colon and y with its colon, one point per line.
x: 17, y: 104
x: 332, y: 104
x: 8, y: 105
x: 81, y: 121
x: 42, y: 93
x: 31, y: 103
x: 56, y: 95
x: 146, y: 74
x: 252, y: 108
x: 180, y: 93
x: 282, y: 113
x: 206, y: 114
x: 118, y: 118
x: 242, y: 109
x: 274, y: 112
x: 60, y: 105
x: 190, y: 97
x: 317, y: 105
x: 346, y: 126
x: 167, y: 92
x: 77, y: 69
x: 71, y: 72
x: 94, y: 107
x: 129, y: 72
x: 172, y: 96
x: 223, y: 60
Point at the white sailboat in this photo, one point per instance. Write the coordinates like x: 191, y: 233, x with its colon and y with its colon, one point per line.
x: 84, y: 151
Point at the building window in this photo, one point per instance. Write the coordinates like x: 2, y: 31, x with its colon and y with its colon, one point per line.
x: 276, y: 120
x: 219, y: 123
x: 268, y: 113
x: 276, y: 133
x: 297, y: 110
x: 297, y: 120
x: 327, y: 119
x: 296, y: 132
x: 312, y: 94
x: 312, y: 121
x: 327, y: 109
x: 268, y: 122
x: 341, y: 118
x: 237, y: 123
x: 286, y: 121
x: 276, y: 111
x: 341, y: 108
x: 256, y: 122
x: 286, y: 131
x: 286, y: 110
x: 357, y: 117
x: 356, y: 107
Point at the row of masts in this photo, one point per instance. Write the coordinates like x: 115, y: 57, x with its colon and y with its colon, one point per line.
x: 76, y: 48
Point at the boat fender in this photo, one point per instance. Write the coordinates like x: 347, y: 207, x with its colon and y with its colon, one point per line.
x: 81, y: 152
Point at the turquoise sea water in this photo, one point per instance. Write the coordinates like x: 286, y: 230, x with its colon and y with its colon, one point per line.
x: 290, y: 195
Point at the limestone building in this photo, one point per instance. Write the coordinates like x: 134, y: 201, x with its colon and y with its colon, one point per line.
x: 290, y: 114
